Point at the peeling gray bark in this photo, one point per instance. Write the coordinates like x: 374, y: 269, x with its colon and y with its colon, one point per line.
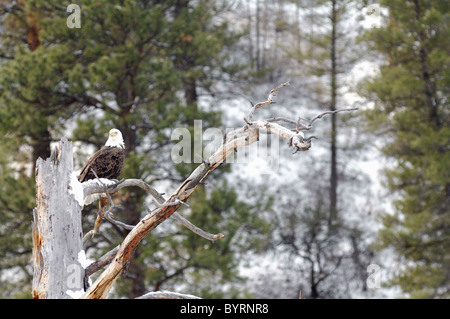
x: 57, y: 231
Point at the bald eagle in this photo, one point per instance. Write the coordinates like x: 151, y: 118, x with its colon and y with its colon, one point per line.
x: 107, y: 162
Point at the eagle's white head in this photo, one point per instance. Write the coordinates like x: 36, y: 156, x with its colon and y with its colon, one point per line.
x: 115, y: 139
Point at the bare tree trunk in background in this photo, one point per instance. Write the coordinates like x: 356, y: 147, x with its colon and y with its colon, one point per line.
x: 295, y: 31
x: 249, y: 17
x: 258, y: 36
x: 266, y: 25
x: 334, y: 176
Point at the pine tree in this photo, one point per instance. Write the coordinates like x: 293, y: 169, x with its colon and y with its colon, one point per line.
x: 25, y: 138
x: 17, y: 199
x: 411, y: 109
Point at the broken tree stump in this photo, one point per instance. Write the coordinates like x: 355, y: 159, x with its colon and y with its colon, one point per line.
x: 57, y: 231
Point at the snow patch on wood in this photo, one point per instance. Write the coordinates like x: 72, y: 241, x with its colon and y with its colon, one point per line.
x: 83, y: 260
x: 76, y: 189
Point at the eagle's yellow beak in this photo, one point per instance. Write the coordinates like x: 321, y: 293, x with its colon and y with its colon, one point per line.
x: 112, y: 133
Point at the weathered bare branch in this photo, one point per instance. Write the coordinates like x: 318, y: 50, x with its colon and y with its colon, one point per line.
x: 267, y: 102
x: 330, y: 112
x: 240, y: 138
x: 94, y: 187
x: 197, y: 230
x: 166, y: 295
x: 103, y: 261
x: 100, y: 186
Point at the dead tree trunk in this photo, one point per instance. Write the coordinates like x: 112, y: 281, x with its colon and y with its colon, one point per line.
x: 57, y: 232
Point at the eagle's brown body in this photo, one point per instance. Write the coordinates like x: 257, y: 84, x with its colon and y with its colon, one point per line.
x: 107, y: 162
